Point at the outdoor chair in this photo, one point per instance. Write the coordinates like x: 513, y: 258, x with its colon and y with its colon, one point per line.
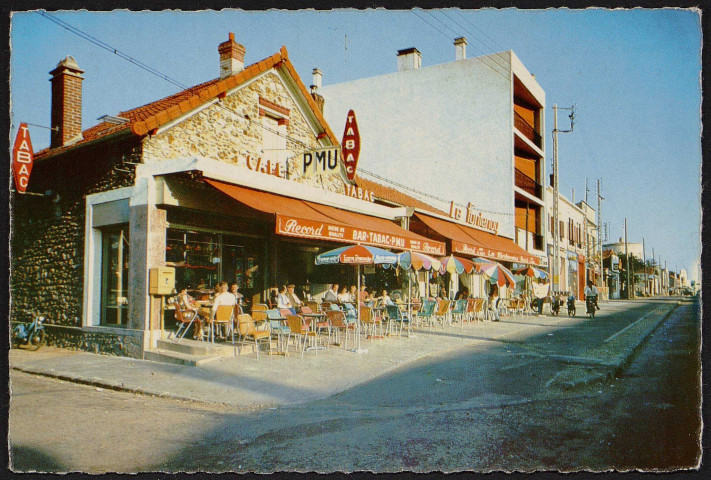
x: 426, y: 313
x: 314, y: 306
x: 396, y: 315
x: 185, y: 319
x: 470, y: 314
x: 300, y: 331
x: 338, y: 324
x: 260, y: 307
x: 351, y: 314
x: 370, y: 322
x: 276, y: 327
x: 479, y: 309
x: 459, y: 310
x: 442, y: 313
x: 260, y: 318
x: 325, y: 306
x: 247, y: 329
x: 223, y: 320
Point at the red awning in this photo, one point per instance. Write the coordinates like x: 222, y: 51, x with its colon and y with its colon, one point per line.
x: 303, y: 219
x: 477, y: 243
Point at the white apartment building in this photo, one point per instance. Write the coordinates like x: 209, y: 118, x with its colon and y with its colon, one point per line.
x: 467, y: 131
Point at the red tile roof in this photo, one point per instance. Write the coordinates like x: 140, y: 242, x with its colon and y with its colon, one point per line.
x: 393, y: 195
x: 143, y: 119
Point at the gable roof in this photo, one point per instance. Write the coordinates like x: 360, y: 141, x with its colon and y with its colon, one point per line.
x: 144, y: 119
x: 393, y: 195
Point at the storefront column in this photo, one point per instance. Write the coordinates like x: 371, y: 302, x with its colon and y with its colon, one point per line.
x: 148, y: 241
x: 272, y: 256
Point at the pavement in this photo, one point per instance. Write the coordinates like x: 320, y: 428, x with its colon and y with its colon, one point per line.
x: 245, y: 382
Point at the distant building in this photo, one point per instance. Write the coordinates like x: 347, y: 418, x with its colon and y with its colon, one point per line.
x: 634, y: 249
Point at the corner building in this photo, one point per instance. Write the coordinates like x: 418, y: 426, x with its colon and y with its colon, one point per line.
x: 210, y: 181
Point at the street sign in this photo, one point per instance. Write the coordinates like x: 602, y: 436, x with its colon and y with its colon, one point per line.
x: 22, y: 158
x: 351, y: 145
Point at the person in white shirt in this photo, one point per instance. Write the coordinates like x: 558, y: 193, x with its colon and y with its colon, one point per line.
x: 222, y: 298
x: 385, y: 299
x: 343, y: 295
x: 592, y: 292
x: 282, y: 300
x: 331, y: 295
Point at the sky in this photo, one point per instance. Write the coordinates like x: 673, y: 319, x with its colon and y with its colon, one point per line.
x: 634, y: 76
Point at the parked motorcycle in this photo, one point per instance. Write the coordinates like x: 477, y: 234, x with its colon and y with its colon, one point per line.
x: 31, y: 334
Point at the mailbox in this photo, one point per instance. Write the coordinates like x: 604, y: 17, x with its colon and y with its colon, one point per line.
x: 161, y: 281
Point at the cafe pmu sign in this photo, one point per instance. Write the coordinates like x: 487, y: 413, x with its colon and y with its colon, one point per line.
x: 22, y: 158
x: 351, y: 145
x: 320, y: 161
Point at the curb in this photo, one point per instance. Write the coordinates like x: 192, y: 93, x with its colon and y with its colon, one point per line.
x: 614, y: 369
x: 137, y: 390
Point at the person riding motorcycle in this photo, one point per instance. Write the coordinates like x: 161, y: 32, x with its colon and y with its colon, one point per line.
x: 591, y: 294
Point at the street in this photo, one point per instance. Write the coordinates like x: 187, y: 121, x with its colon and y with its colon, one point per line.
x: 493, y: 406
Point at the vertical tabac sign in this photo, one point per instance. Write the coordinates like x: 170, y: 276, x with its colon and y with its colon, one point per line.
x: 22, y: 158
x: 351, y: 145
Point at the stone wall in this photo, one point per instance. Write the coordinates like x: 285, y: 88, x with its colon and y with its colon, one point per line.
x: 217, y: 133
x: 47, y: 237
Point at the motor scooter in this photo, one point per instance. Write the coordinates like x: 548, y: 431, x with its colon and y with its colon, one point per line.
x: 31, y: 334
x: 571, y: 306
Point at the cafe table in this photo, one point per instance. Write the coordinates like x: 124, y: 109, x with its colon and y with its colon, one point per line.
x: 314, y: 317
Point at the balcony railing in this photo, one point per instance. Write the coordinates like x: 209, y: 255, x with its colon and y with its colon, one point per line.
x: 527, y: 184
x: 524, y: 127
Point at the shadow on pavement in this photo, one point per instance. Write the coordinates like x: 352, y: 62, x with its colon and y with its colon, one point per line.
x: 26, y: 459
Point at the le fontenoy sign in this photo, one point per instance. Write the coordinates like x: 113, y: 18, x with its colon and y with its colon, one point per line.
x: 351, y: 145
x: 22, y: 158
x: 472, y: 217
x: 320, y: 161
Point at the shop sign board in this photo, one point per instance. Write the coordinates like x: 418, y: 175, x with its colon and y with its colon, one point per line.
x: 278, y: 169
x: 477, y: 251
x: 472, y: 217
x: 320, y: 161
x: 22, y: 158
x: 302, y: 228
x: 351, y: 145
x: 359, y: 193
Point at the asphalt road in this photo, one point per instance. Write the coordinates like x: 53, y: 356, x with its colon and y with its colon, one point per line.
x: 487, y: 407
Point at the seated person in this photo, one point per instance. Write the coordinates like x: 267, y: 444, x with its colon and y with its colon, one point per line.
x: 385, y: 300
x: 296, y: 303
x: 462, y: 294
x: 493, y: 303
x: 343, y: 295
x: 234, y: 290
x: 331, y: 294
x: 282, y: 300
x: 222, y: 298
x: 353, y: 294
x: 364, y: 294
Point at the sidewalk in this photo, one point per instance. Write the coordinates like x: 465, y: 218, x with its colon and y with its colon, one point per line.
x: 271, y: 381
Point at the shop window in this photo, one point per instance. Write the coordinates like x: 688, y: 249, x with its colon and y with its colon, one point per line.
x: 114, y: 277
x: 202, y: 259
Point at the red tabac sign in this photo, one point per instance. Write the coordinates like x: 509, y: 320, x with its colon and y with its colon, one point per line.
x: 351, y: 145
x: 302, y: 228
x: 22, y: 158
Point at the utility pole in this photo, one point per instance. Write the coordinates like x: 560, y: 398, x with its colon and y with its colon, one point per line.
x: 654, y: 267
x: 644, y: 262
x: 556, y: 193
x: 600, y: 198
x: 630, y: 294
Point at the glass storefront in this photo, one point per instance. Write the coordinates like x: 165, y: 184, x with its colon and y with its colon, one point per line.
x: 114, y: 277
x: 202, y: 259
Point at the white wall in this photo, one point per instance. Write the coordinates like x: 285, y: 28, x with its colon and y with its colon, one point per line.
x: 444, y: 129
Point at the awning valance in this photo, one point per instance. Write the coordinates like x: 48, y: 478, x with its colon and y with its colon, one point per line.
x: 470, y: 241
x: 303, y: 219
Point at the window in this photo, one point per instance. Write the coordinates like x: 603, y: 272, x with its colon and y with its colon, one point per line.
x: 114, y: 277
x: 561, y: 228
x: 273, y: 139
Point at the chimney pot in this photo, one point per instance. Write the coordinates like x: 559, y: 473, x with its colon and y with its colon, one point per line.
x: 460, y: 48
x: 231, y: 57
x: 316, y: 81
x: 66, y: 102
x: 408, y: 59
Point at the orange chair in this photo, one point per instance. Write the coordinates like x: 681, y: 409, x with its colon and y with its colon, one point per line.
x: 247, y: 329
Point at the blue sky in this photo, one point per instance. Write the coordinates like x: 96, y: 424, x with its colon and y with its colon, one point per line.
x: 634, y: 75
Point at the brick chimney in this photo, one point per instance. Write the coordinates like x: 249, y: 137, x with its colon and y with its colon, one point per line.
x: 66, y: 102
x: 315, y: 85
x: 408, y: 59
x: 231, y: 57
x: 460, y: 48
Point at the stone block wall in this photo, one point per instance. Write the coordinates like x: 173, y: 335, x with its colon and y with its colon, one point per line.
x: 47, y: 237
x: 217, y: 133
